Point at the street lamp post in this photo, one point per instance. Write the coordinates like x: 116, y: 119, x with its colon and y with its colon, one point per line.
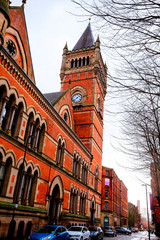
x: 147, y: 210
x: 22, y: 169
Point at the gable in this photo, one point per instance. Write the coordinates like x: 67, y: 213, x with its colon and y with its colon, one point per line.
x: 16, y: 41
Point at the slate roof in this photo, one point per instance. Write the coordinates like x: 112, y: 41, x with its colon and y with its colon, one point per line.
x: 86, y: 40
x: 53, y: 97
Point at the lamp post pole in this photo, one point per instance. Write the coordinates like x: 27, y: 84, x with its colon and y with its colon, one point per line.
x: 147, y: 210
x: 22, y: 169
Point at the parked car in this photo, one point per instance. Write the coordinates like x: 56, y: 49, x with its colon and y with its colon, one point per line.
x: 79, y: 233
x: 123, y: 230
x: 134, y: 230
x: 96, y: 233
x: 55, y: 232
x: 110, y: 231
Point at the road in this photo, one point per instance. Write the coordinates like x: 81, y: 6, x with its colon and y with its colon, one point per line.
x: 133, y: 236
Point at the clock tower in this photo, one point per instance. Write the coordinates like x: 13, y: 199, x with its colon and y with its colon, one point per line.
x: 84, y: 72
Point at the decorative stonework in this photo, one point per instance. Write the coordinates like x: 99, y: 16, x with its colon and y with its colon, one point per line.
x: 11, y: 47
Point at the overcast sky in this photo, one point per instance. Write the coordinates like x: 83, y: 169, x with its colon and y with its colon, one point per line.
x: 50, y: 25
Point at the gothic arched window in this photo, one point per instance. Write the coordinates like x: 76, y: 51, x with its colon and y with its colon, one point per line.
x: 60, y: 153
x: 5, y: 171
x: 15, y: 124
x: 7, y: 113
x: 82, y: 204
x: 29, y: 128
x: 72, y: 63
x: 96, y: 179
x: 73, y: 200
x: 40, y: 139
x: 88, y: 60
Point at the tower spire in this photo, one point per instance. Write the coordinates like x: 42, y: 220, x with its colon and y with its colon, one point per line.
x: 86, y: 39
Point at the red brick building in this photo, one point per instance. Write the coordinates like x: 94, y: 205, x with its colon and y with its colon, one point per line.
x: 114, y: 199
x: 155, y: 197
x: 55, y: 175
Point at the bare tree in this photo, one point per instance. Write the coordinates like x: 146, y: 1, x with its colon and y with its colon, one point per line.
x: 133, y: 216
x: 129, y: 28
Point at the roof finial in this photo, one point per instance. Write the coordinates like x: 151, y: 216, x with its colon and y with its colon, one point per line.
x: 89, y: 20
x: 24, y: 1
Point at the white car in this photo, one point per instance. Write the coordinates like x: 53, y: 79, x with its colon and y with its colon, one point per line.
x: 79, y: 233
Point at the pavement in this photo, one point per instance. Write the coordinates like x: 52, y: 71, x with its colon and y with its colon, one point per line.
x: 152, y: 238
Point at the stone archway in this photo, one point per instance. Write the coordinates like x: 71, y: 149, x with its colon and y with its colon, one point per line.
x: 55, y: 199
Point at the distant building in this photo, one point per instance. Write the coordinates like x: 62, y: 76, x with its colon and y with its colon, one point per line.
x: 114, y: 200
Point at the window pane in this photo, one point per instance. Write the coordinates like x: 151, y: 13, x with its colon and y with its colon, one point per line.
x: 107, y: 173
x: 107, y: 180
x: 2, y: 171
x: 106, y: 206
x: 106, y: 194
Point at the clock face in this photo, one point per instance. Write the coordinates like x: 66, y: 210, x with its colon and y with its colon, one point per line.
x: 77, y: 98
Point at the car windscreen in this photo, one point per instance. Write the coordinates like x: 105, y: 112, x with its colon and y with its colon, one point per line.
x: 46, y: 229
x: 92, y: 229
x: 75, y: 229
x: 108, y: 228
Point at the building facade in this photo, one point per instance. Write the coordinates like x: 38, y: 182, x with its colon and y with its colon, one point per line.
x: 114, y: 200
x: 155, y: 197
x: 50, y: 144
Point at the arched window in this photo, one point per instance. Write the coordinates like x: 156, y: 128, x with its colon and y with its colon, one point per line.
x: 76, y: 62
x: 29, y: 128
x: 35, y: 134
x: 84, y: 173
x: 26, y: 190
x: 2, y: 172
x: 73, y: 200
x: 82, y: 204
x: 20, y: 230
x: 15, y: 125
x: 76, y: 167
x: 80, y: 62
x: 40, y: 139
x: 3, y: 100
x: 7, y: 113
x: 16, y: 191
x: 28, y: 229
x: 5, y: 174
x: 88, y: 60
x: 11, y: 229
x: 96, y: 179
x: 60, y: 153
x: 84, y: 61
x: 26, y: 186
x: 72, y: 63
x: 32, y: 190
